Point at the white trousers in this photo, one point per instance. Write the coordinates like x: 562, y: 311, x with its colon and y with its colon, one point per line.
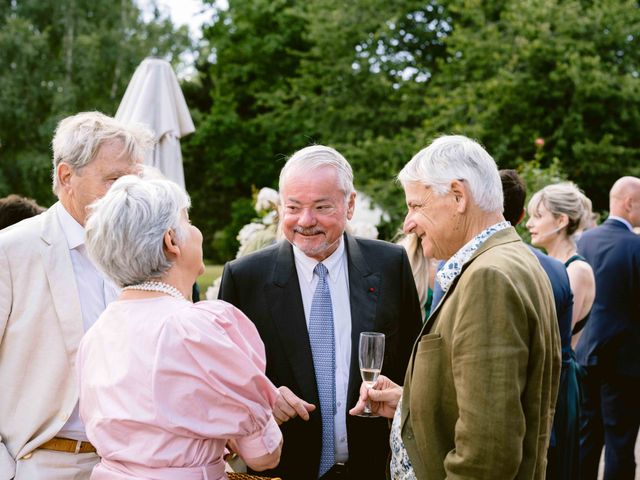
x: 51, y: 465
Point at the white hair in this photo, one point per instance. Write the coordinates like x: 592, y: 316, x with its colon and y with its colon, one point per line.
x: 317, y: 156
x: 455, y: 157
x: 125, y: 229
x: 78, y: 138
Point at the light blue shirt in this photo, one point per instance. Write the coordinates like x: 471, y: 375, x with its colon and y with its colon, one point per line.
x: 338, y: 268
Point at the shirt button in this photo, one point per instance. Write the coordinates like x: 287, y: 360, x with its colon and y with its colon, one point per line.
x: 339, y: 404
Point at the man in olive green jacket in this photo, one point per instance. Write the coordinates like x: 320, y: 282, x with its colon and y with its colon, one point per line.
x: 480, y: 389
x: 479, y: 393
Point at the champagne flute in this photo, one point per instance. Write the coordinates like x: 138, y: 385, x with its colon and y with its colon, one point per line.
x: 371, y: 354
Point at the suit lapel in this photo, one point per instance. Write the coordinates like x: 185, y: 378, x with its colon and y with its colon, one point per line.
x: 62, y: 281
x: 363, y: 298
x: 287, y: 312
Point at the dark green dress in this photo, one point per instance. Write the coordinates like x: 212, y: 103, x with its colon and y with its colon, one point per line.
x: 565, y: 435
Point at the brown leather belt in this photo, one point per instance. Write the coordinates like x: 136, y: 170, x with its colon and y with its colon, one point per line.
x: 67, y: 445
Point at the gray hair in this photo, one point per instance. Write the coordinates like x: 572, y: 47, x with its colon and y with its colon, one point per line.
x: 564, y: 199
x: 318, y: 156
x: 78, y: 138
x: 125, y: 230
x: 455, y: 157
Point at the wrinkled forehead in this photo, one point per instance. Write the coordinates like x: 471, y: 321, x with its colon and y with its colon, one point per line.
x: 319, y: 182
x: 417, y: 191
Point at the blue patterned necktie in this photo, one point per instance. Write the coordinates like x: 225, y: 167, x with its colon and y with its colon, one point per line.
x: 324, y: 362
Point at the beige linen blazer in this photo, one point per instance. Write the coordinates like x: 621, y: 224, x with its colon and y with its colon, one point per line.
x: 40, y: 330
x: 481, y: 386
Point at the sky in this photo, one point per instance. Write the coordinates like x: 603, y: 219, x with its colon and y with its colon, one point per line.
x: 183, y: 12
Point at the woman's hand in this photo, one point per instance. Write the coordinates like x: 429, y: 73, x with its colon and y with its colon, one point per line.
x: 383, y: 396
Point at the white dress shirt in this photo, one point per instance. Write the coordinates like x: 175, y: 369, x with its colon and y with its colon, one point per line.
x: 95, y: 291
x: 336, y: 264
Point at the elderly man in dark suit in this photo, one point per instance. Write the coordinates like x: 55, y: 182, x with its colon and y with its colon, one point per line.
x: 310, y: 296
x: 609, y: 348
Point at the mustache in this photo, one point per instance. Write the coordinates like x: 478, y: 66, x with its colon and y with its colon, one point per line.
x: 307, y: 231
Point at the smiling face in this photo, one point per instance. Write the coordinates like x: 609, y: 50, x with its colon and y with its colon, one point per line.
x: 433, y: 218
x: 542, y: 225
x: 80, y: 188
x: 315, y: 211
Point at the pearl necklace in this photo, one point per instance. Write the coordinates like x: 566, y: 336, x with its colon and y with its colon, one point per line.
x: 153, y: 286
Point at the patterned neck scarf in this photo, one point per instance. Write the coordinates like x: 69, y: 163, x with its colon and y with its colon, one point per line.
x: 450, y: 270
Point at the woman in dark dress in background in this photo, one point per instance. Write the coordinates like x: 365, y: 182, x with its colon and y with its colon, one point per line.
x: 555, y: 213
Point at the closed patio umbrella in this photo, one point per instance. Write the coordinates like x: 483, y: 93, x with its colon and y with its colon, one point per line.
x: 154, y: 98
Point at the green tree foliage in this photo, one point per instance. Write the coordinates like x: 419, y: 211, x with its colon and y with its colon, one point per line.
x: 566, y: 71
x: 376, y: 79
x: 254, y: 51
x: 285, y: 74
x: 379, y: 80
x: 60, y: 57
x: 362, y: 83
x: 536, y: 178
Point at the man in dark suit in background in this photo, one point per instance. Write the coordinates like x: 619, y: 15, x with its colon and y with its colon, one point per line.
x: 609, y: 347
x: 320, y: 274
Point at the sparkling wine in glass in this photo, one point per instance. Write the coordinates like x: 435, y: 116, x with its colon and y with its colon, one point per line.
x: 371, y: 355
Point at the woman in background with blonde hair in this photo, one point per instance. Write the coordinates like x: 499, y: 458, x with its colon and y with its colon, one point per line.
x: 556, y: 213
x: 423, y: 271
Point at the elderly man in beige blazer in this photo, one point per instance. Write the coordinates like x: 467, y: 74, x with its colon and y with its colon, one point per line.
x: 480, y: 389
x: 50, y: 294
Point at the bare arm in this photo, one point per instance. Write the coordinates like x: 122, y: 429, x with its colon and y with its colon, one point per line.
x: 583, y: 286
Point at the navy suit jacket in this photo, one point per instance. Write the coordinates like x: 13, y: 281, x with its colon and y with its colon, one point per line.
x: 383, y: 298
x: 611, y: 337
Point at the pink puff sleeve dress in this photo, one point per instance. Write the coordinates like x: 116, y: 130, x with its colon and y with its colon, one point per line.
x: 165, y: 383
